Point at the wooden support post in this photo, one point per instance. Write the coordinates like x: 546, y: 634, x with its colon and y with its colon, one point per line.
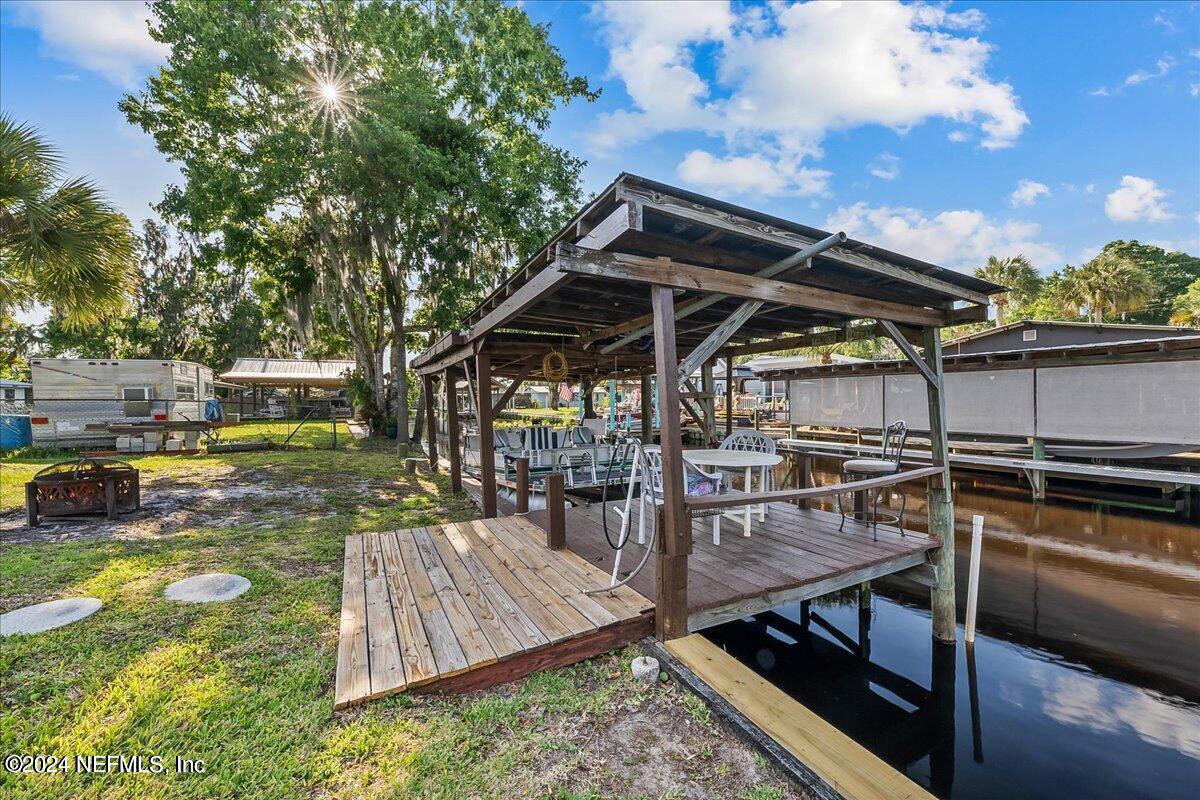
x: 556, y: 536
x: 522, y: 465
x: 1038, y: 476
x: 430, y: 423
x: 803, y: 475
x: 487, y: 444
x: 674, y: 528
x: 450, y: 378
x: 864, y: 620
x: 647, y: 410
x: 709, y: 403
x: 728, y: 395
x: 941, y: 507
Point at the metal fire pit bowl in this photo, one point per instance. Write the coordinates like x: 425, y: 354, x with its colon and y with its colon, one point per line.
x: 86, y: 486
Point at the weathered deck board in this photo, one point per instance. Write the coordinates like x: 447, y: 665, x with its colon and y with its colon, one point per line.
x: 469, y: 605
x: 794, y: 553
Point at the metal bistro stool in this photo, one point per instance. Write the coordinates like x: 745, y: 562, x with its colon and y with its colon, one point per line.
x: 857, y: 469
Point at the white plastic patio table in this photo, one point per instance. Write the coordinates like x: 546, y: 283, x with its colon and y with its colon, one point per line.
x: 748, y: 460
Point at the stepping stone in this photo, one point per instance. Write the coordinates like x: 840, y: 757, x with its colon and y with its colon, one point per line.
x: 47, y: 616
x: 211, y: 587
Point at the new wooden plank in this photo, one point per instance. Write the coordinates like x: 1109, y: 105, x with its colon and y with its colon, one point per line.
x: 592, y: 610
x: 386, y: 660
x: 840, y: 761
x: 523, y: 629
x: 352, y: 678
x: 468, y: 628
x: 415, y: 651
x: 447, y: 652
x: 552, y: 614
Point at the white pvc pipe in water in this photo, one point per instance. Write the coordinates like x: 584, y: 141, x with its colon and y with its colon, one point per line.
x: 973, y: 580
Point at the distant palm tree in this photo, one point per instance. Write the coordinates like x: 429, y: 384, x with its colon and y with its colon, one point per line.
x: 61, y: 243
x: 1014, y: 273
x: 1107, y: 283
x: 1186, y: 308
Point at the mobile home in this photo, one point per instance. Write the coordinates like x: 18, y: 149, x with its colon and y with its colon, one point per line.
x: 72, y: 393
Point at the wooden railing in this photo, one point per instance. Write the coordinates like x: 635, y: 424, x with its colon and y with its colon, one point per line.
x: 734, y: 499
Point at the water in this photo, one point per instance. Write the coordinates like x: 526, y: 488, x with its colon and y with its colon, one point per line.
x: 1085, y: 673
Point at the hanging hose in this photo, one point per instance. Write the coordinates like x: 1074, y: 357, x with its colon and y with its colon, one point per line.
x: 644, y: 467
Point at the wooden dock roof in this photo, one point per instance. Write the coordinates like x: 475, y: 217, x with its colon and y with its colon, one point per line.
x: 579, y: 293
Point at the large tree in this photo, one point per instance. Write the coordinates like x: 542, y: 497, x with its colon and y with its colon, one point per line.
x: 1016, y: 274
x: 1172, y: 273
x: 397, y: 143
x: 1186, y: 308
x: 1108, y: 283
x: 61, y: 243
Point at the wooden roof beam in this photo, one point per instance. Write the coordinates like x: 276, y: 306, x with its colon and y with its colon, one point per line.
x: 572, y: 260
x: 681, y: 209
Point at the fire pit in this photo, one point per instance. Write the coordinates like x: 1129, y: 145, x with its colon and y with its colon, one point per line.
x: 86, y: 486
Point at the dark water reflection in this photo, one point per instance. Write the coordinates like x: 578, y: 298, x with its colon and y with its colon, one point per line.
x: 1087, y: 661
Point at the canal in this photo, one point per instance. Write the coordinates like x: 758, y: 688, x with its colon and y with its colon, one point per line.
x: 1084, y: 680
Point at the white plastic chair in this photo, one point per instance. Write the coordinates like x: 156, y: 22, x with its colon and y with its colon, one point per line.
x: 753, y: 442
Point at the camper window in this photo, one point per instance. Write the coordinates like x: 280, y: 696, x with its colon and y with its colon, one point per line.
x: 135, y: 393
x: 185, y: 391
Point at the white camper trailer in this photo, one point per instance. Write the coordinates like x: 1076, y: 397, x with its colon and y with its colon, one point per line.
x: 72, y: 393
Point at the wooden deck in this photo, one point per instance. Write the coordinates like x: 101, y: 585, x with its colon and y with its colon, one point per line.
x: 795, y: 554
x: 469, y: 605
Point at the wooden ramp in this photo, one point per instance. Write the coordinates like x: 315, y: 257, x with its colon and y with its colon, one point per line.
x: 469, y: 605
x: 847, y: 766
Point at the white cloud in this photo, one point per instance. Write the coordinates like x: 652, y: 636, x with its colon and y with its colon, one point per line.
x: 106, y: 37
x: 734, y: 73
x: 1164, y: 21
x: 1161, y: 68
x: 1027, y: 193
x: 959, y: 136
x: 958, y: 239
x: 886, y: 167
x: 1194, y: 90
x: 751, y: 175
x: 1137, y: 199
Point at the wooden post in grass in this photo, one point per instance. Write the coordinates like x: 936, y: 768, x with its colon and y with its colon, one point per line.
x: 450, y: 378
x: 522, y: 464
x: 556, y: 536
x: 941, y: 507
x: 430, y: 423
x: 674, y: 528
x: 487, y: 445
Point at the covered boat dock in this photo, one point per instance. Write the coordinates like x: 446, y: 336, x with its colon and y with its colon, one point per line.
x: 652, y: 282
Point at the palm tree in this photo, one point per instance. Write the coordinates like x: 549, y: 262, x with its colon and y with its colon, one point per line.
x: 1107, y: 283
x: 1186, y: 308
x: 61, y: 242
x: 1017, y: 275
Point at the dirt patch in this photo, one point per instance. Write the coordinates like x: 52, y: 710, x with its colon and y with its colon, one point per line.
x: 207, y: 496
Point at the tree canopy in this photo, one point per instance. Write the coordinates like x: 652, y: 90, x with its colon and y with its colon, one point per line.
x: 376, y: 157
x: 61, y: 243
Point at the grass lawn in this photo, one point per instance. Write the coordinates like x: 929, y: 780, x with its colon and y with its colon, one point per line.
x: 246, y: 686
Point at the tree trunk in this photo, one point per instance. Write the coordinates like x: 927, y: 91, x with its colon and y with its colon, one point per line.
x: 589, y: 408
x: 1001, y: 303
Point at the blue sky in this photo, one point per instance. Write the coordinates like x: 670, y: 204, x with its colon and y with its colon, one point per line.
x: 948, y: 132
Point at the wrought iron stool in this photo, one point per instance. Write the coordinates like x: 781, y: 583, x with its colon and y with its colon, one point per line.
x: 857, y: 469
